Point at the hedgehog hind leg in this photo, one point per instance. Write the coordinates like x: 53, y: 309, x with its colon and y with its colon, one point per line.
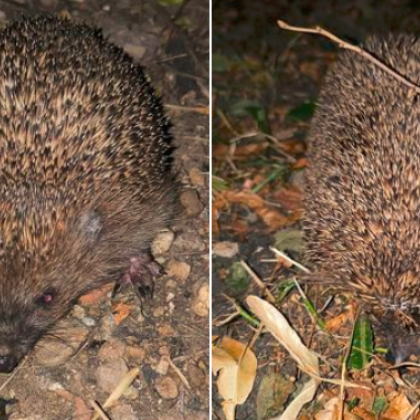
x: 143, y: 268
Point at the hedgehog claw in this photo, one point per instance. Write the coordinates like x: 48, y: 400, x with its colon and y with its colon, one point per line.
x: 140, y: 275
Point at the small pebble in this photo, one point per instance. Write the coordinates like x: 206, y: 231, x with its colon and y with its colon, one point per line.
x: 106, y: 8
x: 197, y: 177
x: 110, y: 373
x: 162, y: 367
x: 113, y: 349
x: 162, y: 242
x: 136, y: 352
x: 191, y: 202
x: 201, y: 302
x: 106, y: 328
x: 179, y: 269
x: 89, y: 321
x: 158, y: 311
x: 195, y: 375
x: 78, y: 312
x: 53, y: 351
x: 135, y: 51
x: 166, y: 331
x: 123, y: 412
x: 189, y: 242
x: 225, y: 249
x: 166, y: 387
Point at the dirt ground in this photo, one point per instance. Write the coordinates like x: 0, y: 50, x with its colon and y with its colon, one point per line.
x: 265, y: 85
x: 105, y: 339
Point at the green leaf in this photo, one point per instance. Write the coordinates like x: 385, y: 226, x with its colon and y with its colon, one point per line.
x: 289, y: 239
x: 238, y: 278
x: 379, y: 405
x: 246, y: 107
x: 354, y: 402
x: 219, y: 63
x: 218, y: 184
x: 284, y: 288
x: 362, y: 344
x: 303, y: 112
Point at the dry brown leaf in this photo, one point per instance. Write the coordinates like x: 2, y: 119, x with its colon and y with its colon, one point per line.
x: 277, y: 324
x: 272, y: 218
x: 236, y: 366
x: 334, y: 324
x: 301, y: 163
x: 331, y: 410
x: 220, y: 150
x: 279, y: 327
x: 120, y: 312
x: 398, y: 408
x: 292, y: 146
x: 250, y: 149
x: 290, y: 198
x: 95, y: 295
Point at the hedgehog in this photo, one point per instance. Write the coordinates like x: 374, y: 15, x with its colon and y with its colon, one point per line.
x: 362, y: 192
x: 86, y: 175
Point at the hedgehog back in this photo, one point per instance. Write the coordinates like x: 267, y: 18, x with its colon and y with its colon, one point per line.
x: 362, y: 199
x: 77, y: 117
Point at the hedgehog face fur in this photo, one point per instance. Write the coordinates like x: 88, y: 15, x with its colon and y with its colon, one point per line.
x: 362, y: 199
x: 86, y: 175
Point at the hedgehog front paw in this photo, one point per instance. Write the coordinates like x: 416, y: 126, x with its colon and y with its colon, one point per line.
x: 140, y: 275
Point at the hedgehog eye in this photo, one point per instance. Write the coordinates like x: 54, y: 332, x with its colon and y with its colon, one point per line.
x: 46, y: 299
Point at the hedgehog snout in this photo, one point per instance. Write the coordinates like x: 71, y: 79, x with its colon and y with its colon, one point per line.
x: 7, y: 363
x: 401, y: 348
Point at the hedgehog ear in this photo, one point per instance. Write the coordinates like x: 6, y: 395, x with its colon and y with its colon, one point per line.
x: 90, y: 225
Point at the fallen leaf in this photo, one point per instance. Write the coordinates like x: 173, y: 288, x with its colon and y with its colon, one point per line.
x: 290, y: 198
x: 236, y: 366
x: 331, y: 410
x: 398, y: 408
x: 279, y: 327
x: 120, y: 312
x: 95, y: 295
x: 271, y: 217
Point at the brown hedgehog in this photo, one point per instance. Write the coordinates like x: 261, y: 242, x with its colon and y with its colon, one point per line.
x: 362, y: 198
x: 86, y: 175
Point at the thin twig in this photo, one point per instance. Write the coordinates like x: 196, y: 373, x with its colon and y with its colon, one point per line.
x: 184, y: 380
x: 11, y: 377
x: 259, y: 282
x: 101, y: 413
x: 346, y: 45
x: 289, y: 260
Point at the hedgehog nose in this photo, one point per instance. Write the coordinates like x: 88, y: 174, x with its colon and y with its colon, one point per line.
x: 7, y: 363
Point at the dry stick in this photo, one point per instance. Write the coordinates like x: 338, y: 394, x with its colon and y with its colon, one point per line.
x: 257, y: 280
x: 99, y: 410
x: 177, y: 371
x: 347, y: 46
x: 11, y: 377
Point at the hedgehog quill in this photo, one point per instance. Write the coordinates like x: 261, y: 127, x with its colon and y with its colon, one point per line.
x: 362, y: 197
x: 86, y: 176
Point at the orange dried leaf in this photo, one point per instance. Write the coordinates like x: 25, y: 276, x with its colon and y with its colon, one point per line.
x: 250, y: 149
x: 333, y: 325
x: 95, y: 295
x: 398, y: 408
x: 120, y: 312
x: 292, y: 146
x: 301, y: 163
x: 290, y: 198
x: 220, y: 150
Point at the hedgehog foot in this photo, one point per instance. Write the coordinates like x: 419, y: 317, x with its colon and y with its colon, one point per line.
x: 140, y: 275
